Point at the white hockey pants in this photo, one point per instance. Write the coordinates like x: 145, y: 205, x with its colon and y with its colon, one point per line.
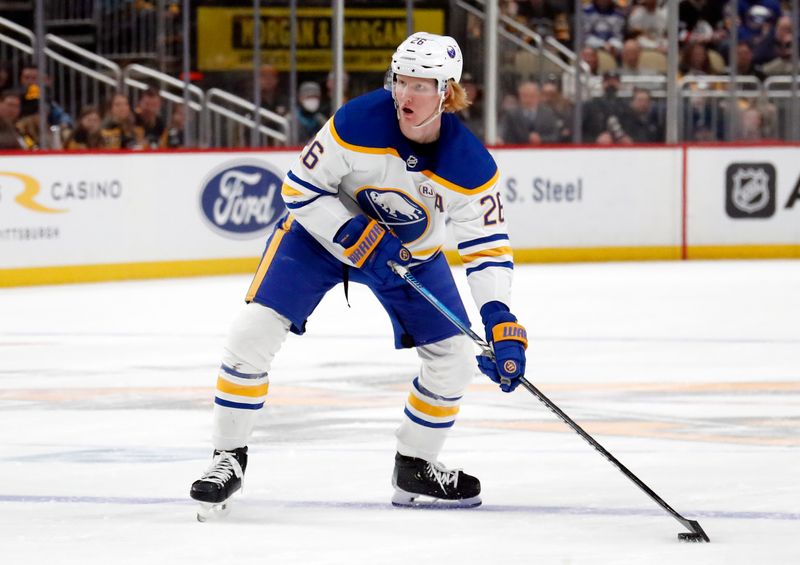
x: 257, y: 334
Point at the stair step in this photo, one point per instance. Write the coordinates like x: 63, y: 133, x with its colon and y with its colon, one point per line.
x: 69, y: 23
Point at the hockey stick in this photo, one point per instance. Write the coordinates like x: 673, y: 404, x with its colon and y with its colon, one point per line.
x: 697, y: 534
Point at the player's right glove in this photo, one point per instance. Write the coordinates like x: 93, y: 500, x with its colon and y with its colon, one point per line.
x: 509, y: 340
x: 370, y: 247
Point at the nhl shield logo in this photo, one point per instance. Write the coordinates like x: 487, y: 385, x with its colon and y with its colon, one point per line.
x: 412, y: 161
x: 750, y: 190
x: 395, y: 209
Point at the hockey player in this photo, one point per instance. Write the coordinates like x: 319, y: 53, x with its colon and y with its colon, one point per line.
x: 374, y: 187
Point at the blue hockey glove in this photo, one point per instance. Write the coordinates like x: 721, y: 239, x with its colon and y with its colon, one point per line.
x: 509, y: 340
x: 370, y: 247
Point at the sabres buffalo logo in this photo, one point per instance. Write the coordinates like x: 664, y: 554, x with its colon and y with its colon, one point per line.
x: 396, y: 210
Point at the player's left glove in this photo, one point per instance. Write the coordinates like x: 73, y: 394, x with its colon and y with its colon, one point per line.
x: 509, y: 340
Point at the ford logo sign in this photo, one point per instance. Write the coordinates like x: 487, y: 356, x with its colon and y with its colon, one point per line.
x: 242, y: 200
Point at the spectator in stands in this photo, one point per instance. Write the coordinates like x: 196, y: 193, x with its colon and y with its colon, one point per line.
x: 744, y: 61
x: 509, y: 102
x: 272, y: 97
x: 10, y: 108
x: 641, y: 124
x: 57, y: 118
x: 9, y: 137
x: 757, y: 29
x: 751, y: 125
x: 472, y: 115
x: 629, y: 58
x: 510, y: 8
x: 531, y: 123
x: 149, y: 125
x: 309, y: 118
x: 648, y: 24
x: 330, y: 82
x: 757, y: 18
x: 779, y: 43
x: 118, y: 129
x: 87, y: 134
x: 701, y: 110
x: 603, y: 25
x: 602, y: 116
x: 549, y: 16
x: 594, y: 81
x: 694, y: 59
x: 552, y: 97
x: 589, y: 56
x: 177, y: 121
x: 29, y: 83
x: 782, y: 64
x: 538, y: 15
x: 5, y: 76
x: 701, y: 20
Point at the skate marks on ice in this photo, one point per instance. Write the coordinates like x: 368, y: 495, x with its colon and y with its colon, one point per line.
x: 243, y: 505
x: 749, y: 413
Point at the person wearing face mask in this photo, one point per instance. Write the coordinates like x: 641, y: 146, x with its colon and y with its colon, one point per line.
x: 309, y: 117
x: 372, y: 190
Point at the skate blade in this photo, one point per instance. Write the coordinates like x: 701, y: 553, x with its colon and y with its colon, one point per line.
x: 213, y: 511
x: 405, y: 499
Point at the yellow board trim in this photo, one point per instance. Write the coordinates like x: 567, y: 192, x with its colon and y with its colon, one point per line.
x: 242, y: 390
x: 266, y: 261
x: 125, y: 271
x: 29, y: 276
x: 496, y: 252
x: 430, y: 410
x: 743, y: 252
x: 362, y: 149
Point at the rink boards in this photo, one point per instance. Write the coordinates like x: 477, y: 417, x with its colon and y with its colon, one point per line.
x: 105, y: 216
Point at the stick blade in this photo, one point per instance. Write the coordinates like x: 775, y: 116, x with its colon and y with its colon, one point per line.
x: 697, y: 535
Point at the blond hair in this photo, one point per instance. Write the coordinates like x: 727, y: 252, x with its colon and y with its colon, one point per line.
x: 456, y: 98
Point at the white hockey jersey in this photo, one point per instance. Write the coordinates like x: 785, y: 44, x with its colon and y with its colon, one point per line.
x: 361, y: 163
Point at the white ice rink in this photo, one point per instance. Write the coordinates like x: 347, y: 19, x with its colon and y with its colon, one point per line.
x: 688, y: 372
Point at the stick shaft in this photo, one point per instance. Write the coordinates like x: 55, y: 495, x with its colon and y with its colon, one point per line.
x: 691, y: 525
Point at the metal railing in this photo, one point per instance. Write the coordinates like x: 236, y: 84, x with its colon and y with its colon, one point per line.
x: 140, y: 31
x: 783, y: 92
x: 706, y: 107
x: 228, y: 128
x: 547, y: 49
x: 138, y: 78
x: 541, y: 42
x: 77, y: 77
x: 16, y: 46
x: 80, y: 77
x: 121, y: 30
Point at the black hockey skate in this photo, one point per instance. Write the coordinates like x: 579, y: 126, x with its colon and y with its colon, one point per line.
x: 223, y: 478
x: 422, y: 484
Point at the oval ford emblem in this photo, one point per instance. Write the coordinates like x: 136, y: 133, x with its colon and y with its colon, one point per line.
x: 242, y: 200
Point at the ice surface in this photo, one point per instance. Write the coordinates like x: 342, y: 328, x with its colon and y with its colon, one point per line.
x: 688, y: 372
